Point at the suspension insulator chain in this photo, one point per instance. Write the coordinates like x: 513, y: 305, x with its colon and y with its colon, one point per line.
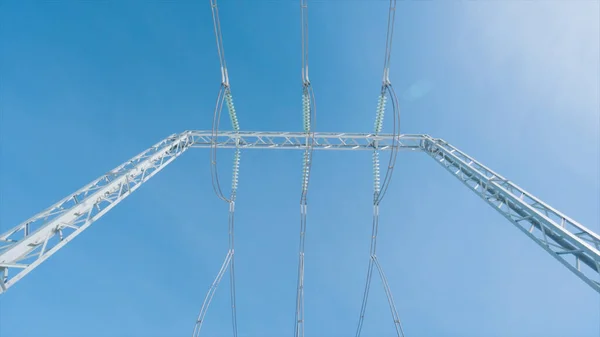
x: 236, y: 172
x: 306, y: 111
x: 380, y: 113
x: 236, y: 157
x: 231, y: 108
x: 305, y: 173
x: 376, y: 174
x: 378, y: 128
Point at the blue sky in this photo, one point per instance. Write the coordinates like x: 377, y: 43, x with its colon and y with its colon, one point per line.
x: 85, y: 86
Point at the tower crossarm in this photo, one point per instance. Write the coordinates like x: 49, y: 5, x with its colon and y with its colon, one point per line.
x: 297, y: 140
x: 30, y: 243
x: 574, y: 245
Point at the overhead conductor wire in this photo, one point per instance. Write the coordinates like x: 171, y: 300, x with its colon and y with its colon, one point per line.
x: 380, y: 187
x: 224, y: 97
x: 308, y: 121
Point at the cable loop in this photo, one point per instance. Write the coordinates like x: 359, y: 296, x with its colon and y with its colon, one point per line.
x: 380, y: 186
x: 223, y: 98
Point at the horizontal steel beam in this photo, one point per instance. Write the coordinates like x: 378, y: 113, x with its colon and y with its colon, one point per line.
x: 297, y: 140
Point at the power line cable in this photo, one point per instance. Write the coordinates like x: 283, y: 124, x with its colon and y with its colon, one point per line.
x: 380, y: 187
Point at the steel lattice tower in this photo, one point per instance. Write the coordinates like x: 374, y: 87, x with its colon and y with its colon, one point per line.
x: 30, y: 243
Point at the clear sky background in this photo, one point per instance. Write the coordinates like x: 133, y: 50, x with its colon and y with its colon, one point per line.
x: 85, y: 86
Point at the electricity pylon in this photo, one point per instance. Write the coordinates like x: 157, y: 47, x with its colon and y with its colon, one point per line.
x: 30, y: 243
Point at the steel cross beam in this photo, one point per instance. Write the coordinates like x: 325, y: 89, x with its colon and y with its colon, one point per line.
x: 30, y: 243
x: 297, y: 140
x: 564, y: 238
x: 27, y: 245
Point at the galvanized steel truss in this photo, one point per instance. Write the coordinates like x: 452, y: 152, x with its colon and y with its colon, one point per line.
x: 27, y: 245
